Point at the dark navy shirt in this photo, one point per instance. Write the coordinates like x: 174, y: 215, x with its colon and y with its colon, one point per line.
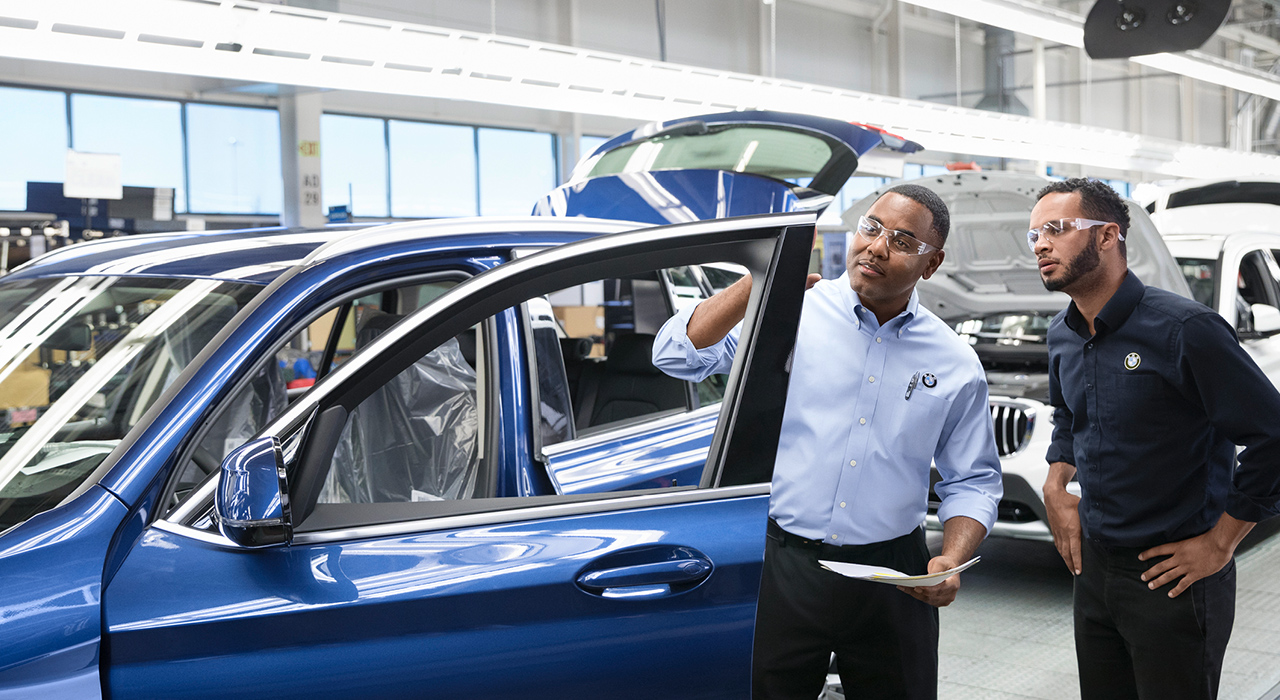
x: 1150, y: 409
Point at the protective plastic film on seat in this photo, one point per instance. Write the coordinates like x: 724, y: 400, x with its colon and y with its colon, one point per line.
x: 415, y: 439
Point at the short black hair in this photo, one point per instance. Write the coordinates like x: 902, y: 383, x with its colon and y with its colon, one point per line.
x: 1097, y: 201
x: 930, y: 200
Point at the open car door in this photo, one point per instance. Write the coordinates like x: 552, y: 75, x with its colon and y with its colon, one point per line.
x: 355, y: 547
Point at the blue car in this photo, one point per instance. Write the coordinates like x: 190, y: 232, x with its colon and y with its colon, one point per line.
x: 405, y: 460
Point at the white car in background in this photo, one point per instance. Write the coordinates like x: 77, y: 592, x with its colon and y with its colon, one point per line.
x: 1227, y: 252
x: 989, y: 290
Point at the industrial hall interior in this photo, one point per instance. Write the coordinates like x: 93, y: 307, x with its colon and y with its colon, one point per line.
x: 805, y: 349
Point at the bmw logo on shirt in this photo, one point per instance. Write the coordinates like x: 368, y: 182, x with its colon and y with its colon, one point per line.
x: 1132, y: 360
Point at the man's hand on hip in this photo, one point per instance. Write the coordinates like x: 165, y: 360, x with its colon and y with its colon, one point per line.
x: 941, y: 595
x: 1195, y: 558
x: 1063, y: 511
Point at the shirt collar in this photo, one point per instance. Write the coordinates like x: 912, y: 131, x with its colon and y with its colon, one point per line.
x: 862, y: 314
x: 1117, y: 309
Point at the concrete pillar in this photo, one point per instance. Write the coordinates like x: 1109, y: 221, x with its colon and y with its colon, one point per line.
x: 570, y: 132
x: 300, y: 159
x: 1133, y: 98
x: 1040, y: 101
x: 1187, y: 109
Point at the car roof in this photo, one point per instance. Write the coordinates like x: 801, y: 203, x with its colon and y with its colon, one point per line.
x: 1218, y: 219
x: 260, y: 255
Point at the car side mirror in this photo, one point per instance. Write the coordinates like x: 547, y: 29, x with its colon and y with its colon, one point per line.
x: 1266, y: 319
x: 252, y: 504
x: 73, y: 336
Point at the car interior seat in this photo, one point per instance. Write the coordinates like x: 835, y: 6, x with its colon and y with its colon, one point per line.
x: 626, y: 385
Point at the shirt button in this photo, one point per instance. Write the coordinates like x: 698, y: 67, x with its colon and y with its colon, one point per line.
x: 872, y: 380
x: 841, y: 504
x: 879, y: 340
x: 1089, y: 346
x: 835, y: 536
x: 862, y: 421
x: 853, y: 462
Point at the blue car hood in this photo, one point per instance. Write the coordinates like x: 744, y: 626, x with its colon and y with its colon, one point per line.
x: 670, y: 197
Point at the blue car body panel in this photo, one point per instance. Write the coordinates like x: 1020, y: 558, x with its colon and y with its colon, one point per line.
x: 94, y: 595
x: 658, y: 456
x: 417, y: 615
x: 670, y: 197
x: 50, y: 593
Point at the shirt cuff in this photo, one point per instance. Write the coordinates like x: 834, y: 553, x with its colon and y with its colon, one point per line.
x: 1060, y: 453
x: 980, y: 507
x: 1242, y: 507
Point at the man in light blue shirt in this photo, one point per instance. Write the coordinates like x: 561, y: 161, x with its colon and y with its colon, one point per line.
x: 880, y: 388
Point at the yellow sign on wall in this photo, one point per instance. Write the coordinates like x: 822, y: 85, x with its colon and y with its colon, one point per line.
x: 309, y: 149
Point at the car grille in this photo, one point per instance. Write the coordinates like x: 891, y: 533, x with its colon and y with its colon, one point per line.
x: 1013, y: 423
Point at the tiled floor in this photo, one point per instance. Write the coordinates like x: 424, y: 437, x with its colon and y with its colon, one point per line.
x: 1008, y: 635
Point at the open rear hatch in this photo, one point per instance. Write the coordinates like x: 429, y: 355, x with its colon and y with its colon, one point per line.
x: 716, y: 166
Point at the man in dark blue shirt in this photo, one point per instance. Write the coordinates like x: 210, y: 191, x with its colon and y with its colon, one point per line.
x: 1151, y: 394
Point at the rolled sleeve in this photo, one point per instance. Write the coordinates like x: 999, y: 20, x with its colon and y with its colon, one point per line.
x: 1242, y: 403
x: 967, y: 460
x: 1062, y: 448
x: 675, y: 355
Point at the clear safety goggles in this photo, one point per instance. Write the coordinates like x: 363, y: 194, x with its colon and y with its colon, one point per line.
x: 1052, y: 229
x: 900, y: 242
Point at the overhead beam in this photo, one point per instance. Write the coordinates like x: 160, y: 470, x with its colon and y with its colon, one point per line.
x: 1055, y: 25
x: 258, y: 42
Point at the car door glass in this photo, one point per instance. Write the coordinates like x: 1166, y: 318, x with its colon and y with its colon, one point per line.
x: 298, y: 365
x: 604, y: 333
x: 617, y: 318
x: 416, y: 438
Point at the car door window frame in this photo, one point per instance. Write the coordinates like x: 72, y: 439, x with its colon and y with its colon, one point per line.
x: 776, y: 243
x: 186, y: 454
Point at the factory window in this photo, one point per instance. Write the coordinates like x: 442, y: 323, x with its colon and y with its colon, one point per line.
x: 433, y: 170
x: 33, y: 142
x: 234, y: 157
x: 146, y: 133
x: 353, y: 161
x: 516, y: 168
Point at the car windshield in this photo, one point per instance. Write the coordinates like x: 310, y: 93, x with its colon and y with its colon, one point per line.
x: 777, y: 153
x: 1010, y: 340
x: 81, y: 361
x: 1202, y: 277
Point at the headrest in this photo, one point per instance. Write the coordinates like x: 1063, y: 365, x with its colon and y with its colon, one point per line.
x: 575, y: 349
x: 374, y: 327
x: 633, y: 354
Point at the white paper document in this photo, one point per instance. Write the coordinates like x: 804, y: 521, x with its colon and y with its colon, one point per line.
x: 880, y: 574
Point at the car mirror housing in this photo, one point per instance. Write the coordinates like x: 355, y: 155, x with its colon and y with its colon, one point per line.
x: 1266, y: 319
x: 76, y: 337
x: 252, y: 504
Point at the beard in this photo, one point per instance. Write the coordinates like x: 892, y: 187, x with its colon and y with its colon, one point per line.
x: 1086, y: 261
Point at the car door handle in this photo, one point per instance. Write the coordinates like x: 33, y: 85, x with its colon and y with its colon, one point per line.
x: 647, y: 572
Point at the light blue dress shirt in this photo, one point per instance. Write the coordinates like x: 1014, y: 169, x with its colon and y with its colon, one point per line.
x: 854, y: 454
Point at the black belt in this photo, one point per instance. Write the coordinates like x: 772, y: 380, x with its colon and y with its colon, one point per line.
x: 787, y: 539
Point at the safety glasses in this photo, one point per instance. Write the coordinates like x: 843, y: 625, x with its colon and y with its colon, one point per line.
x: 1052, y: 229
x: 900, y: 242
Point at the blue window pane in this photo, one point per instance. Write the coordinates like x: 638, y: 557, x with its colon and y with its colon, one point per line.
x: 146, y: 133
x: 353, y: 164
x: 33, y: 142
x: 516, y: 168
x: 433, y: 169
x: 235, y: 160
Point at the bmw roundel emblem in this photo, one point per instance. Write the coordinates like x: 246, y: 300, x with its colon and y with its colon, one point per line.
x: 1132, y: 360
x: 929, y: 380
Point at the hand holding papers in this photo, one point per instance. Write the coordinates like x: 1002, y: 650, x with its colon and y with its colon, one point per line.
x: 880, y: 574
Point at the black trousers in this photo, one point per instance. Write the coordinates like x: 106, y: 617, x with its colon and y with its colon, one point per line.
x: 885, y: 641
x: 1133, y: 642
